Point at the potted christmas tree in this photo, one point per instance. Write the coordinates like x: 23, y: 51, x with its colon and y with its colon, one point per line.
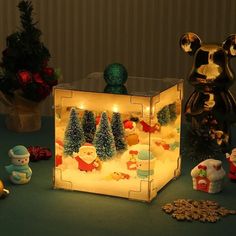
x: 25, y: 78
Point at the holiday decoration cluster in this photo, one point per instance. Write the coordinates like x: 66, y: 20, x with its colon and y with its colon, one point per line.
x: 108, y: 137
x: 24, y: 65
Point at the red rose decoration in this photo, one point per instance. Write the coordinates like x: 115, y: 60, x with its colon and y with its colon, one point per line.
x: 37, y: 92
x: 48, y: 71
x: 25, y: 77
x: 37, y: 78
x: 43, y: 91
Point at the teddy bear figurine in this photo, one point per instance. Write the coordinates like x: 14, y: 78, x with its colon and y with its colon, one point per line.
x: 211, y: 104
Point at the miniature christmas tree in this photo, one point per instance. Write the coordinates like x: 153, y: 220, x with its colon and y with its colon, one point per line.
x: 24, y: 61
x: 89, y: 126
x: 163, y: 116
x: 172, y: 111
x: 74, y: 135
x: 167, y: 114
x: 104, y: 139
x: 118, y: 131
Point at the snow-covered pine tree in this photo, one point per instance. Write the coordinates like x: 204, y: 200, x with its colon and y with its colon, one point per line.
x: 104, y: 139
x: 118, y: 131
x: 89, y: 126
x: 172, y: 111
x: 74, y: 134
x: 163, y: 116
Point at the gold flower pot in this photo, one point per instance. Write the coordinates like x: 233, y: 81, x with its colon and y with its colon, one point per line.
x: 23, y: 115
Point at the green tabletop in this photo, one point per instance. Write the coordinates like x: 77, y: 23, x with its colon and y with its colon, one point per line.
x: 37, y: 209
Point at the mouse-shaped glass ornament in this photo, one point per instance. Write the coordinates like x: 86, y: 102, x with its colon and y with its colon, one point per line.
x: 211, y: 107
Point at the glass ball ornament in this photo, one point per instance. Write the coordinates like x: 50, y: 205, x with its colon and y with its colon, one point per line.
x: 120, y: 89
x: 115, y: 74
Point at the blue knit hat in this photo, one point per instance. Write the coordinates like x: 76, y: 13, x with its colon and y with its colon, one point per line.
x: 19, y: 151
x: 145, y: 155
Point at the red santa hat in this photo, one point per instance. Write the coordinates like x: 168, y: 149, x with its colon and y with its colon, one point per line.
x: 128, y: 124
x: 88, y: 144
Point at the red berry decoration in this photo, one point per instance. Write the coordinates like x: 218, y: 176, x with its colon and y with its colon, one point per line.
x: 38, y: 153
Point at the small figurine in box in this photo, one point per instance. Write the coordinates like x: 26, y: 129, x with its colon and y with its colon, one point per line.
x: 130, y: 133
x: 232, y: 161
x: 132, y: 163
x: 145, y: 164
x: 208, y: 176
x: 19, y: 171
x: 87, y: 158
x: 59, y: 150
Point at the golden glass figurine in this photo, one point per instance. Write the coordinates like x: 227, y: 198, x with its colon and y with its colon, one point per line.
x: 211, y: 106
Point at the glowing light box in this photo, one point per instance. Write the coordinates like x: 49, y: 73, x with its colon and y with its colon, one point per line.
x: 125, y: 145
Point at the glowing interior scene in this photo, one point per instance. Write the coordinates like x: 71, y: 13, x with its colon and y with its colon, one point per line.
x: 123, y: 145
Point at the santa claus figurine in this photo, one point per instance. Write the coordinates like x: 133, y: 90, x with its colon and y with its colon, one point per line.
x: 87, y: 158
x: 232, y: 161
x: 130, y: 133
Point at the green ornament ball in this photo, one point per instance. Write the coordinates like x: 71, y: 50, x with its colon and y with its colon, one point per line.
x: 120, y: 89
x: 115, y: 74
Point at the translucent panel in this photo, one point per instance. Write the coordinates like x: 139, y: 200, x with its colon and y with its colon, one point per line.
x: 124, y: 145
x: 94, y: 82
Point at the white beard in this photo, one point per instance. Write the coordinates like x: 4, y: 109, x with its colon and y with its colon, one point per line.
x: 88, y: 158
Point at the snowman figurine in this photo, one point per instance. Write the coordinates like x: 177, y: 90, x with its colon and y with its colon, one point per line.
x: 145, y: 164
x: 19, y: 171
